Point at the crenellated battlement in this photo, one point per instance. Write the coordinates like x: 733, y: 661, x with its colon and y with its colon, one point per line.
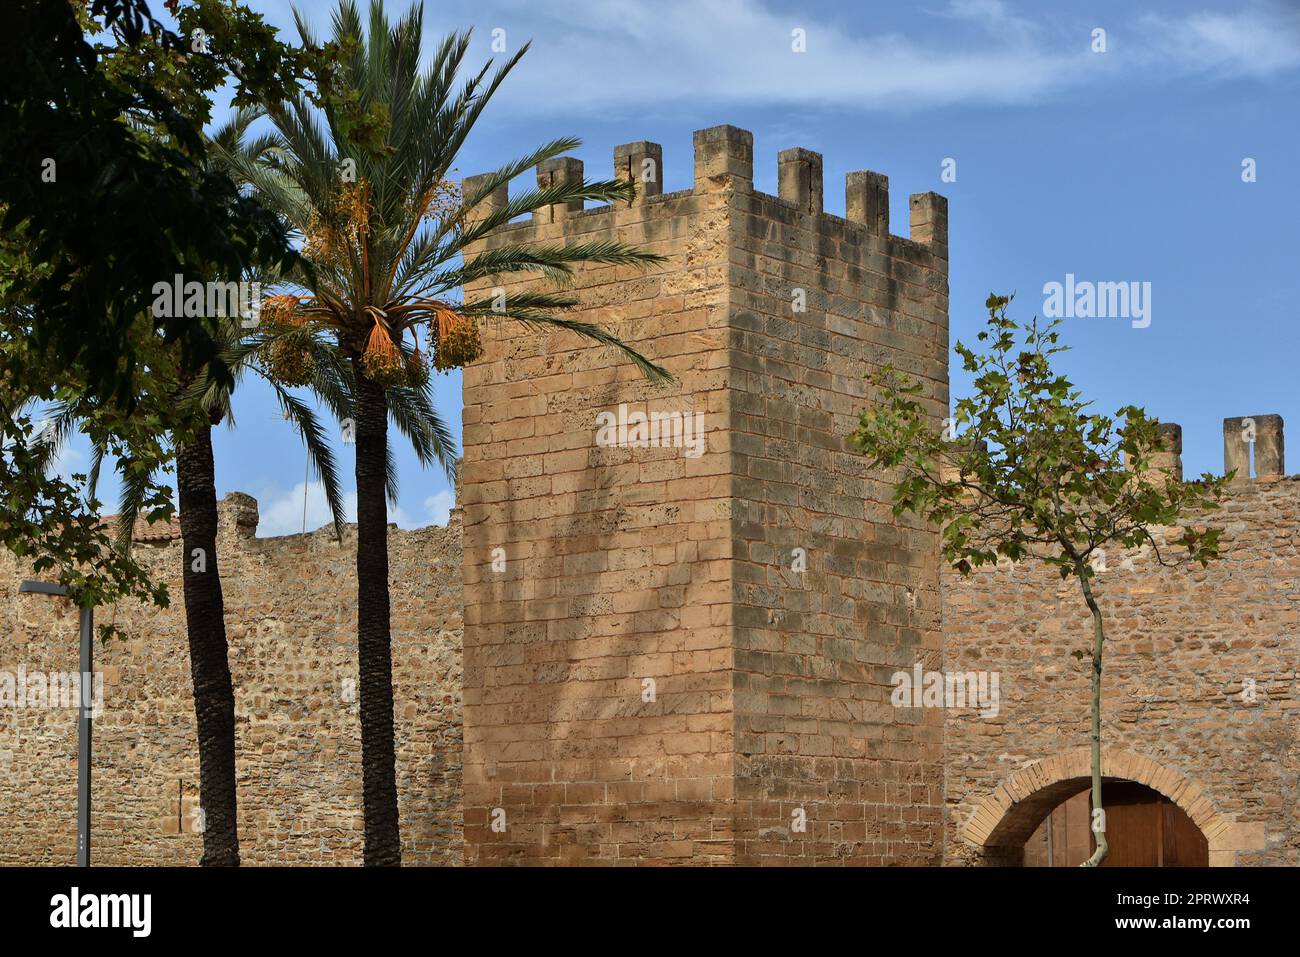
x: 724, y: 162
x: 1254, y: 440
x: 1250, y: 440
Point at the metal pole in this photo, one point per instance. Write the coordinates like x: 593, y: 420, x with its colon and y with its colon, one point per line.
x: 83, y: 737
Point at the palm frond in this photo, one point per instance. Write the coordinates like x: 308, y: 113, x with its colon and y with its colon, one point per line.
x: 136, y: 479
x: 416, y: 417
x: 391, y: 484
x: 318, y: 451
x: 60, y: 422
x: 556, y: 262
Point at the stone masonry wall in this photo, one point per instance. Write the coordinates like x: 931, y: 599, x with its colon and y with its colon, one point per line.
x: 818, y: 303
x: 598, y: 709
x: 1201, y: 687
x: 645, y: 678
x: 291, y: 622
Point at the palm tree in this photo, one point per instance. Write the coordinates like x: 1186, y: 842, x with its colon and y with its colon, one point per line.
x: 214, y: 696
x: 272, y: 354
x: 214, y: 703
x: 285, y: 355
x: 204, y: 401
x: 209, y: 396
x: 386, y: 233
x: 204, y: 396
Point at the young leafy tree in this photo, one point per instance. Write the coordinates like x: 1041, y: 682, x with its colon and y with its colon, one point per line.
x: 108, y: 129
x: 179, y: 406
x: 46, y: 520
x: 386, y: 232
x: 1024, y: 470
x: 53, y: 524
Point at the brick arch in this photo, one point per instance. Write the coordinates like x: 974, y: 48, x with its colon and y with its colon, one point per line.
x: 1009, y: 816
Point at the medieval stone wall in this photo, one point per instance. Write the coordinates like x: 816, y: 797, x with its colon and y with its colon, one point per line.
x: 1202, y: 701
x: 291, y: 623
x: 1201, y: 687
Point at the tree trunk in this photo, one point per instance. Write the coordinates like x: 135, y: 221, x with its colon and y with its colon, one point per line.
x: 1098, y: 812
x: 214, y: 695
x: 374, y: 644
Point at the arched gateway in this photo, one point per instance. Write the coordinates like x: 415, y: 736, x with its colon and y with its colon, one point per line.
x: 1003, y: 821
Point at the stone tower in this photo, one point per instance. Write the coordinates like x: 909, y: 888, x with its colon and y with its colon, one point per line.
x: 681, y: 650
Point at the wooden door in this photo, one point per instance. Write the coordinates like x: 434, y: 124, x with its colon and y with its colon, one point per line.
x: 1143, y: 829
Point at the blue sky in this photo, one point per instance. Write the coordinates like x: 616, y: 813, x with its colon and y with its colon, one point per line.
x: 1123, y: 165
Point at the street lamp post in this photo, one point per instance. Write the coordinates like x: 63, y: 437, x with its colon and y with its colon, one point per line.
x: 83, y: 721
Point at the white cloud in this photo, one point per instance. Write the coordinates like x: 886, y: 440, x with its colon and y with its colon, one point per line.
x: 282, y: 514
x: 1258, y: 42
x: 645, y: 54
x: 70, y: 460
x: 740, y: 51
x: 994, y: 16
x: 439, y: 505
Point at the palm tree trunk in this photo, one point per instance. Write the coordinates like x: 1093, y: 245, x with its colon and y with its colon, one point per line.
x: 374, y: 645
x: 1098, y: 812
x: 214, y: 695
